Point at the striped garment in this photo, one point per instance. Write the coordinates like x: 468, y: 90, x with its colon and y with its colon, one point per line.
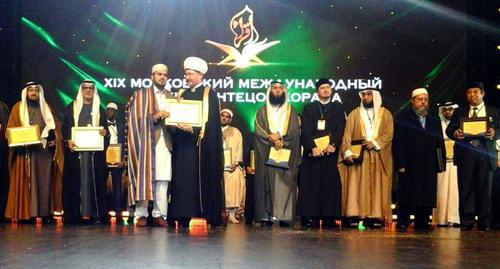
x: 140, y: 145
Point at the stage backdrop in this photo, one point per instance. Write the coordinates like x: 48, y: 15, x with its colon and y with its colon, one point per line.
x: 394, y: 46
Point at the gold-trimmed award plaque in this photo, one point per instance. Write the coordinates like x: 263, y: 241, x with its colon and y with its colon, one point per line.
x: 322, y: 142
x: 87, y: 138
x: 114, y: 155
x: 279, y: 158
x: 227, y: 159
x: 357, y: 150
x: 185, y: 112
x: 474, y: 127
x: 23, y: 136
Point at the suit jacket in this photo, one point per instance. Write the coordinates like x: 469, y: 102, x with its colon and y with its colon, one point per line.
x: 464, y: 145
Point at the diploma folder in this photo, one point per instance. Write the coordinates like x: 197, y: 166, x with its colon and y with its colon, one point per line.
x: 357, y: 150
x: 279, y: 158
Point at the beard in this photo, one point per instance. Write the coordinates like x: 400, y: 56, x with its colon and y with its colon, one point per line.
x: 33, y: 103
x: 276, y: 101
x: 368, y: 105
x: 421, y: 111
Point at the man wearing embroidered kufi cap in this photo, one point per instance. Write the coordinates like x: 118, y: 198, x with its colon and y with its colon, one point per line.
x: 419, y: 155
x: 197, y: 164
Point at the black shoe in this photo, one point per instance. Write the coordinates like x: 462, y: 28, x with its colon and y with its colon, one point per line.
x: 306, y: 223
x: 466, y: 227
x: 374, y: 223
x: 424, y: 227
x: 330, y: 224
x: 285, y: 224
x: 266, y: 223
x: 483, y: 228
x: 401, y: 227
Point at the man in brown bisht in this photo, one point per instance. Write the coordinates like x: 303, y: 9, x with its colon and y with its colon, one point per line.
x: 367, y: 181
x: 35, y: 171
x: 4, y: 152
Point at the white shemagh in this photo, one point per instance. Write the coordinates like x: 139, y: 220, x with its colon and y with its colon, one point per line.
x: 370, y: 117
x: 78, y: 104
x: 48, y: 118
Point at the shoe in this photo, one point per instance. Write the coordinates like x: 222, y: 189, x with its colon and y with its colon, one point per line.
x: 266, y: 223
x: 160, y: 222
x: 424, y: 227
x: 401, y: 227
x: 466, y: 227
x: 483, y: 229
x: 142, y: 222
x: 330, y: 224
x: 285, y: 224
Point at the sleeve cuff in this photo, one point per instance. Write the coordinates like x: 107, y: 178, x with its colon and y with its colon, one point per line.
x: 347, y: 154
x: 377, y: 147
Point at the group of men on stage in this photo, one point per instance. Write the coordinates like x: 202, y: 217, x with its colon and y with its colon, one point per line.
x: 325, y: 165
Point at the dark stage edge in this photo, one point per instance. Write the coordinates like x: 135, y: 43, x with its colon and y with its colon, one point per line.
x: 240, y: 246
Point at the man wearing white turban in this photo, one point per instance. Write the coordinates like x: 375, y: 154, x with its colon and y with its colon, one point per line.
x: 419, y: 155
x: 197, y: 155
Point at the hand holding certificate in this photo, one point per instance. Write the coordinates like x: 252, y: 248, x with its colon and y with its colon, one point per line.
x: 474, y: 127
x: 23, y: 136
x: 87, y: 138
x: 184, y: 112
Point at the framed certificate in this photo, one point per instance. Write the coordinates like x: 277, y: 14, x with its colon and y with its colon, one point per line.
x: 322, y: 142
x: 87, y: 138
x: 114, y: 155
x: 279, y: 158
x: 23, y: 136
x: 474, y: 127
x: 184, y: 112
x: 357, y: 150
x: 227, y: 159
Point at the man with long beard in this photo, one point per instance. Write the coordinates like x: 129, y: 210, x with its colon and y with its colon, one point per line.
x: 277, y: 133
x: 35, y: 171
x: 150, y: 148
x: 419, y: 154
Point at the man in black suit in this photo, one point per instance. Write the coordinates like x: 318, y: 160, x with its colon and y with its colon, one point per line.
x: 476, y: 159
x: 116, y: 132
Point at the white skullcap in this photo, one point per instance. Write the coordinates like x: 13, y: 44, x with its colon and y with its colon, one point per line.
x: 227, y: 111
x: 418, y: 91
x: 196, y: 64
x: 112, y: 105
x: 159, y: 67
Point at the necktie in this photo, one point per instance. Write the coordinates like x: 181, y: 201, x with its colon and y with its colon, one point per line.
x: 474, y: 112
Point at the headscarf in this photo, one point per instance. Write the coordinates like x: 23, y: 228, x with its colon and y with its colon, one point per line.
x: 377, y: 103
x: 48, y: 118
x: 78, y: 104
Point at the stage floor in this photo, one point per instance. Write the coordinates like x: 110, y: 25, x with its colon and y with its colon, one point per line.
x: 240, y: 246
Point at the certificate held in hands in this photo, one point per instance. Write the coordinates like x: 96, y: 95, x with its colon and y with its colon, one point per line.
x: 322, y: 142
x: 357, y: 150
x: 23, y: 136
x: 227, y: 159
x: 87, y: 138
x: 279, y: 158
x: 184, y: 112
x: 474, y: 127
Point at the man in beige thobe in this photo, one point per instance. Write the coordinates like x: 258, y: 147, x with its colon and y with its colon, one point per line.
x: 234, y: 178
x: 366, y: 181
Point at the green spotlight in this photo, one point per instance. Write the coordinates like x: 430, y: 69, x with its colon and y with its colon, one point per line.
x: 41, y: 33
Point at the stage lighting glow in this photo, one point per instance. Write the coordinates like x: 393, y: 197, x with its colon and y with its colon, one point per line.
x: 41, y: 33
